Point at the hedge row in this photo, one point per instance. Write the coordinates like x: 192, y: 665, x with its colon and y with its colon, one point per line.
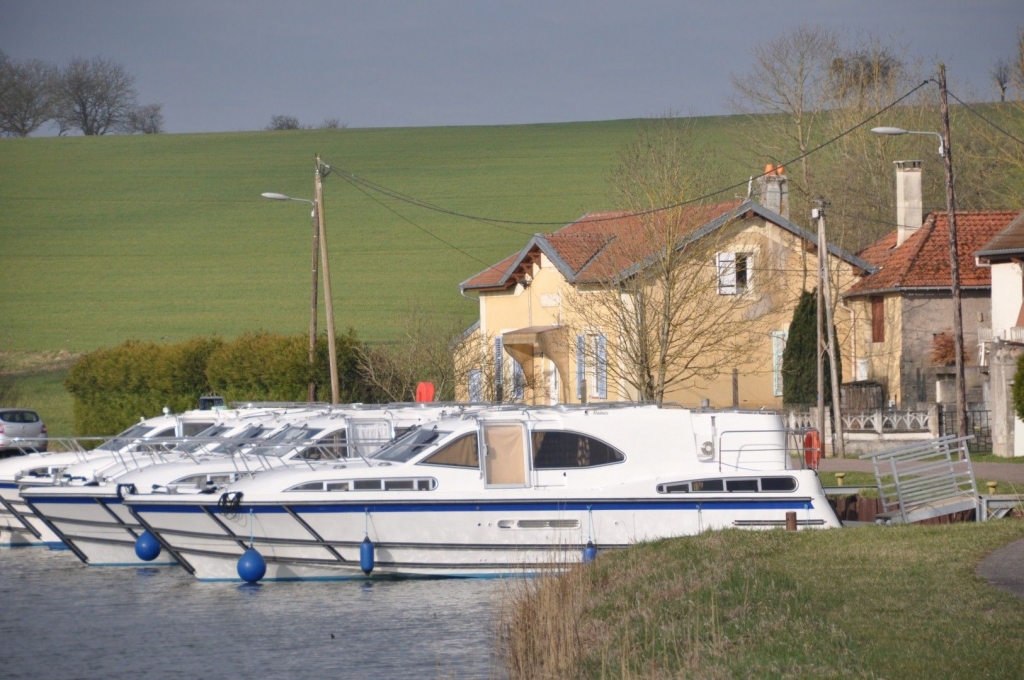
x: 112, y: 388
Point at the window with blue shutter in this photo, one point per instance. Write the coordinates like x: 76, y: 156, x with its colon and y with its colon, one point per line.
x: 518, y: 382
x: 476, y: 385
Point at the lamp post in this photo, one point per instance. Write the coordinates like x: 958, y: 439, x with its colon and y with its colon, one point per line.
x: 313, y: 296
x: 954, y: 260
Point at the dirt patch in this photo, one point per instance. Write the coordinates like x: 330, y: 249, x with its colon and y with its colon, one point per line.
x: 17, y: 363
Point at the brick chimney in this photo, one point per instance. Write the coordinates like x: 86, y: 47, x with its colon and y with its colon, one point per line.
x: 909, y: 207
x: 774, y: 190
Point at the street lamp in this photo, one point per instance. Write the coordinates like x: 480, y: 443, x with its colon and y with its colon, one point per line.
x: 901, y: 131
x: 313, y: 296
x: 954, y: 261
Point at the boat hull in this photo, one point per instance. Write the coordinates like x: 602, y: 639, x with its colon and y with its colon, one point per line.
x: 97, y: 528
x: 19, y: 526
x: 467, y: 538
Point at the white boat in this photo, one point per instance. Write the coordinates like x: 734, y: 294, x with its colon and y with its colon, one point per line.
x: 19, y: 526
x: 93, y: 522
x: 496, y: 492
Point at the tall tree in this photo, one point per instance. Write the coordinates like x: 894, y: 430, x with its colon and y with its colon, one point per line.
x: 96, y: 96
x: 788, y: 79
x: 799, y: 360
x: 26, y: 95
x: 657, y: 300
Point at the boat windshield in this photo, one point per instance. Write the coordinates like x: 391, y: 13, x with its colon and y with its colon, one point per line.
x: 410, y: 445
x: 285, y: 441
x: 203, y: 437
x: 127, y: 437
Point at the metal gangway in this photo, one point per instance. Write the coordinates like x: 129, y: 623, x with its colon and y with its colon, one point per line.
x: 925, y: 480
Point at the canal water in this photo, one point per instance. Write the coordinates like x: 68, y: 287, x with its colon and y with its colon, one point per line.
x: 62, y: 619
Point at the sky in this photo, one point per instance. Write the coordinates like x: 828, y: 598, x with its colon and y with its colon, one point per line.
x: 225, y: 65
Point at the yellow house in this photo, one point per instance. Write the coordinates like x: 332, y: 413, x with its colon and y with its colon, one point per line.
x: 555, y: 318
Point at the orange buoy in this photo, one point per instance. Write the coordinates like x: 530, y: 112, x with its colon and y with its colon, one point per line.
x: 812, y: 449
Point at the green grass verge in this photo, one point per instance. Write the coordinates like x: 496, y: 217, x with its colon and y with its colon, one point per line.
x: 898, y: 602
x: 43, y: 391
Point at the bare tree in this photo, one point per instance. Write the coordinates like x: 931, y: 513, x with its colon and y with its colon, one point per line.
x: 26, y: 95
x: 96, y: 96
x: 789, y: 78
x: 657, y: 296
x: 148, y: 120
x: 333, y: 124
x: 283, y: 122
x: 1001, y: 74
x: 423, y: 353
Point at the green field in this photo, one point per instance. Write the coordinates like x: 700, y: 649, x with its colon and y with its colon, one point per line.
x: 165, y: 237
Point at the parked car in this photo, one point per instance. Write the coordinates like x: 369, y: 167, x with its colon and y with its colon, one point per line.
x: 21, y: 423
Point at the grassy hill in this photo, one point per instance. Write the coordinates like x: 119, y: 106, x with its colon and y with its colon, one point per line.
x: 165, y: 237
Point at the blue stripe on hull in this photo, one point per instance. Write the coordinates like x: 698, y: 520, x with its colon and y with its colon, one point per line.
x: 523, y: 506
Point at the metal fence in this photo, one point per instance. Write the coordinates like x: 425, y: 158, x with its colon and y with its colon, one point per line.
x: 978, y: 425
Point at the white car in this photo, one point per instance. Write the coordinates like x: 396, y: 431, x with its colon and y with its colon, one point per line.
x: 21, y: 431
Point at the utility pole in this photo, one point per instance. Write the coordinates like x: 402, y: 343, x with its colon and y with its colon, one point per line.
x: 825, y: 285
x: 954, y: 264
x: 318, y: 196
x: 312, y: 303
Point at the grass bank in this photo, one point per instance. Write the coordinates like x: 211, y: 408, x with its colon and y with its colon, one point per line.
x: 868, y: 602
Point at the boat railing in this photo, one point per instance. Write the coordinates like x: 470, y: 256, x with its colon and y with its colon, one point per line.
x: 754, y: 449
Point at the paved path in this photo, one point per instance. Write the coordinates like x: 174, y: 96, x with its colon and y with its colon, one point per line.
x: 1004, y: 568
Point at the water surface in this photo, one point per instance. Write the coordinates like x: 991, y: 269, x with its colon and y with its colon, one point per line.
x: 60, y: 618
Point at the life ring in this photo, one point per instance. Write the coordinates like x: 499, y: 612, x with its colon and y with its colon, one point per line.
x: 812, y: 449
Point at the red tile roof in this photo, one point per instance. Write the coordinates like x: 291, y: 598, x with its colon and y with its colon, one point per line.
x: 922, y: 261
x: 600, y: 245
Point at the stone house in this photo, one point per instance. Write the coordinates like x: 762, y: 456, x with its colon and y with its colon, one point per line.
x: 902, y: 315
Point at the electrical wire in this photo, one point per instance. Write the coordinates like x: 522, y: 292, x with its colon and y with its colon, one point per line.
x: 502, y: 221
x: 979, y: 115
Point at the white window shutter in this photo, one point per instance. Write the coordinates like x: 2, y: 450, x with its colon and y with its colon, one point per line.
x: 498, y: 351
x: 601, y: 367
x: 581, y: 364
x: 726, y: 263
x: 778, y: 347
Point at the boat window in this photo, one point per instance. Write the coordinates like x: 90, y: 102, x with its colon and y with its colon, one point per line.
x: 366, y: 484
x: 460, y: 453
x: 571, y: 450
x: 741, y: 485
x: 208, y: 433
x: 410, y: 446
x: 127, y: 437
x: 191, y: 429
x: 708, y: 485
x: 369, y: 485
x: 328, y: 447
x: 680, y: 487
x: 778, y: 484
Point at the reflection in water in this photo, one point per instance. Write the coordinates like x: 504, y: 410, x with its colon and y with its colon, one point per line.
x: 60, y: 618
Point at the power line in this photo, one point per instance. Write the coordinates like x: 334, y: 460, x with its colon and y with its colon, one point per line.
x: 971, y: 109
x: 353, y: 178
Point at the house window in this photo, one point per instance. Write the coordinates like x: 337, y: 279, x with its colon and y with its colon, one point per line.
x: 778, y: 347
x: 734, y: 273
x: 877, y: 319
x: 593, y: 369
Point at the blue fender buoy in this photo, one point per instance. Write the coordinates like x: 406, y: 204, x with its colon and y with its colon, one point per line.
x: 251, y: 566
x: 147, y: 548
x: 366, y: 555
x: 589, y: 553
